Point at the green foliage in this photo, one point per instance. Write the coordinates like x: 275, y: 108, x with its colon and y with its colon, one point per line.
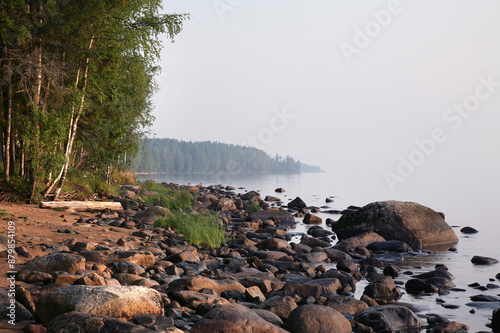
x: 170, y: 156
x: 199, y: 230
x: 161, y: 196
x: 252, y: 206
x: 3, y: 213
x: 58, y: 58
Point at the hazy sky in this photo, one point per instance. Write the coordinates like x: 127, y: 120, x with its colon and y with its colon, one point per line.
x: 401, y: 93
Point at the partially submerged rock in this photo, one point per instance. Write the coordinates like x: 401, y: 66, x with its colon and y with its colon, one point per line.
x: 409, y: 222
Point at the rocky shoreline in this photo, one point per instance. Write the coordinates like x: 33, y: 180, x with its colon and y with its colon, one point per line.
x: 150, y: 280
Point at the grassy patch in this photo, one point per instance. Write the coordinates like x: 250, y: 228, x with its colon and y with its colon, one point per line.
x: 252, y: 206
x: 198, y: 230
x: 3, y: 213
x: 158, y: 195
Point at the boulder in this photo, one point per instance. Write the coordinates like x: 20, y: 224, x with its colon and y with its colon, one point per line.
x: 272, y: 214
x: 106, y: 257
x: 85, y: 322
x: 312, y: 219
x: 195, y: 283
x: 346, y: 304
x: 233, y: 318
x: 193, y: 298
x: 297, y: 203
x: 392, y: 317
x: 362, y: 239
x: 251, y: 195
x: 223, y: 204
x: 114, y: 301
x: 382, y: 289
x: 389, y: 246
x: 282, y: 306
x: 66, y: 262
x: 486, y: 261
x: 409, y: 222
x: 152, y: 213
x: 495, y: 321
x: 317, y: 318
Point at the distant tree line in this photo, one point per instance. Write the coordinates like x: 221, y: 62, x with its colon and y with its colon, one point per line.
x: 174, y: 156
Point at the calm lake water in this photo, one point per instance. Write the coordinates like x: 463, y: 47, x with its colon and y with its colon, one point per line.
x: 470, y: 207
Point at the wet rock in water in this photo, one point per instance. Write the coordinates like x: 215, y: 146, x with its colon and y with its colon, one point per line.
x: 468, y: 230
x: 480, y: 260
x: 317, y: 231
x: 115, y: 301
x: 416, y: 286
x: 279, y: 190
x: 86, y: 322
x: 282, y: 306
x: 485, y: 298
x: 297, y: 203
x: 271, y: 198
x: 435, y: 273
x: 382, y: 290
x: 328, y: 200
x: 495, y: 321
x: 392, y: 270
x: 312, y: 219
x: 389, y: 246
x: 362, y: 239
x: 67, y: 262
x: 409, y: 222
x: 231, y: 318
x: 439, y: 324
x: 389, y: 317
x: 251, y: 195
x: 317, y: 318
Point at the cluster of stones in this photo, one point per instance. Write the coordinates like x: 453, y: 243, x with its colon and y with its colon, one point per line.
x: 259, y: 281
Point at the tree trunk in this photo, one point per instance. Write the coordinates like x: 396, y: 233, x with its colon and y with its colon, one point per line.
x: 6, y: 161
x: 73, y: 126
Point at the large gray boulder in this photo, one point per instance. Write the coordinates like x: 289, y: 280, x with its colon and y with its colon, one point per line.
x: 409, y: 222
x: 393, y: 317
x: 120, y: 302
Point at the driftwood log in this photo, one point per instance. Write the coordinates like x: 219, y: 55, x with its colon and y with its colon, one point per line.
x: 83, y: 205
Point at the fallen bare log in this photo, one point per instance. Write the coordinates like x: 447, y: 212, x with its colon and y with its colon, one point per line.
x: 83, y: 205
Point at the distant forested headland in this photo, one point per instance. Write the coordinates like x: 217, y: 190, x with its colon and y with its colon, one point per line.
x: 174, y: 156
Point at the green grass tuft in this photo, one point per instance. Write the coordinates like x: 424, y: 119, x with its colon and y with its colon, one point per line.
x: 252, y: 206
x: 199, y: 230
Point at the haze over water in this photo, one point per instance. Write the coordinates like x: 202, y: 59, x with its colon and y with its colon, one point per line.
x: 395, y: 100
